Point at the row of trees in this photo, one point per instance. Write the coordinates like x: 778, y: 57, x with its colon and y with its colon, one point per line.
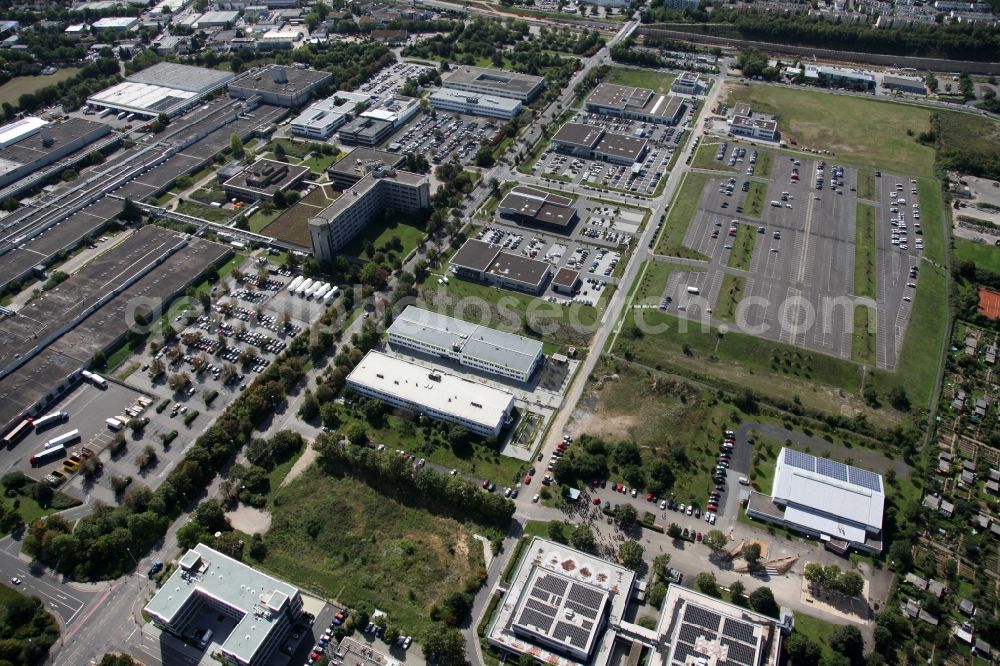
x: 832, y: 578
x: 593, y: 458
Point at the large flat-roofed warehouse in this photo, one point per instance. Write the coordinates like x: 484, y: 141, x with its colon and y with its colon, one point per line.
x: 47, y: 342
x: 384, y: 188
x: 358, y: 163
x: 560, y: 606
x: 640, y: 104
x: 32, y: 143
x: 594, y: 143
x: 279, y: 85
x: 472, y: 345
x: 322, y: 119
x: 473, y: 104
x: 478, y: 260
x: 480, y: 409
x: 166, y: 87
x: 695, y: 628
x: 837, y: 503
x: 263, y: 179
x: 523, y: 87
x: 528, y: 205
x: 263, y: 608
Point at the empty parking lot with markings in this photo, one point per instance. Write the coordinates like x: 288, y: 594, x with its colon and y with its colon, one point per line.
x: 783, y: 250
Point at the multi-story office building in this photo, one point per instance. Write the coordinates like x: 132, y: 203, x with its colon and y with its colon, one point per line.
x: 380, y: 189
x: 482, y: 81
x: 474, y: 104
x: 208, y: 583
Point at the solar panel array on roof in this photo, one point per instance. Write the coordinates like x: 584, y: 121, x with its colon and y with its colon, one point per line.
x: 536, y: 605
x: 865, y: 479
x: 535, y: 619
x: 702, y: 618
x: 738, y: 653
x: 690, y: 633
x: 574, y: 635
x: 800, y: 460
x: 585, y: 596
x: 831, y: 468
x: 739, y: 630
x: 552, y: 585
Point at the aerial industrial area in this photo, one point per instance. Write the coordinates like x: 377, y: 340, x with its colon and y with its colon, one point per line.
x: 566, y: 333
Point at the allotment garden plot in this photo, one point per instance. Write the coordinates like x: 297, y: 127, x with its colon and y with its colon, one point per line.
x: 804, y: 252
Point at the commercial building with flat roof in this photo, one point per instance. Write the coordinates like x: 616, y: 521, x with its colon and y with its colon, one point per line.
x: 116, y: 23
x: 395, y: 109
x: 695, y: 628
x: 358, y: 163
x: 472, y: 345
x: 743, y: 122
x: 533, y: 206
x: 480, y: 409
x: 474, y: 104
x: 166, y: 87
x: 687, y: 83
x: 482, y: 81
x: 363, y: 131
x: 263, y: 179
x: 264, y: 608
x: 640, y: 104
x: 218, y: 19
x: 563, y: 606
x: 478, y: 260
x: 908, y: 84
x: 837, y: 503
x: 565, y: 281
x: 594, y: 143
x: 322, y: 118
x: 279, y: 85
x: 381, y: 189
x: 31, y: 144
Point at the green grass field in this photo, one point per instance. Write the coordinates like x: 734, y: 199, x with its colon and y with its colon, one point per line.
x: 866, y: 132
x: 817, y: 630
x: 260, y: 219
x: 863, y: 342
x: 765, y: 162
x: 380, y: 234
x: 21, y: 85
x: 865, y: 273
x: 730, y: 295
x: 867, y: 187
x: 743, y: 244
x: 704, y: 158
x: 649, y: 288
x: 342, y: 540
x: 981, y: 254
x: 209, y: 213
x: 681, y: 213
x: 640, y: 78
x: 756, y: 199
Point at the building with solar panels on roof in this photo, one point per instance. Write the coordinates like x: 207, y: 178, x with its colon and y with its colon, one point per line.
x: 839, y: 504
x: 695, y: 628
x: 563, y: 606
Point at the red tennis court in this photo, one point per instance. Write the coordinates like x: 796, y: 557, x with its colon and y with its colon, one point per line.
x: 989, y: 303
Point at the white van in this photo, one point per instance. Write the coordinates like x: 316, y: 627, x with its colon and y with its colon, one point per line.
x: 692, y: 290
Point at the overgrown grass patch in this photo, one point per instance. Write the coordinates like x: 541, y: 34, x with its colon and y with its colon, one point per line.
x: 865, y: 272
x: 681, y: 212
x: 864, y: 339
x: 743, y: 244
x: 756, y: 199
x: 730, y: 295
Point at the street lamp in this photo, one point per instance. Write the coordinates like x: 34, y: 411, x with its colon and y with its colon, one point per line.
x: 129, y: 551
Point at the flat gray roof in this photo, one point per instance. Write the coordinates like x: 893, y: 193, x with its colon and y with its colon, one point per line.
x: 361, y: 187
x: 204, y: 571
x: 348, y: 164
x: 480, y: 342
x: 475, y: 255
x: 579, y: 134
x: 181, y: 77
x: 504, y: 84
x: 262, y: 80
x: 522, y: 269
x: 504, y: 104
x: 637, y: 100
x: 621, y: 145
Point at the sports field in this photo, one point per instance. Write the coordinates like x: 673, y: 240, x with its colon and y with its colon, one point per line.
x: 854, y: 129
x: 989, y: 303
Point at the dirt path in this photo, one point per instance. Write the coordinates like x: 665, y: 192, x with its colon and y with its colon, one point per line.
x: 306, y: 459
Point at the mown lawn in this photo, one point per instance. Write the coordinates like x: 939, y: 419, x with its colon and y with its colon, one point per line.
x: 341, y: 539
x: 866, y: 132
x: 981, y: 254
x: 743, y: 244
x: 756, y: 199
x: 863, y: 343
x: 704, y: 158
x: 379, y: 235
x: 865, y: 273
x: 730, y: 295
x: 641, y: 78
x: 681, y: 213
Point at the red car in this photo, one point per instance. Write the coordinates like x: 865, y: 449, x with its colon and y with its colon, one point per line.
x: 698, y: 536
x: 527, y: 479
x: 649, y: 497
x: 713, y: 507
x: 597, y: 501
x: 314, y: 655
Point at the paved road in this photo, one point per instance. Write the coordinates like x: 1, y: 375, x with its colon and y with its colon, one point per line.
x: 62, y: 599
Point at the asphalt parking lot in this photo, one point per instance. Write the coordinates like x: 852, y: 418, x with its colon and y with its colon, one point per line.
x: 446, y: 136
x: 801, y: 271
x: 388, y: 81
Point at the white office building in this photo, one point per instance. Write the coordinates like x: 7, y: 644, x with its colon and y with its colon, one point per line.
x: 473, y: 104
x: 207, y: 583
x: 481, y: 409
x: 472, y: 345
x: 323, y: 118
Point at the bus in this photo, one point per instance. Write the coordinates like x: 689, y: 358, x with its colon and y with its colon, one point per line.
x: 50, y: 419
x: 15, y: 435
x: 47, y: 454
x: 63, y: 439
